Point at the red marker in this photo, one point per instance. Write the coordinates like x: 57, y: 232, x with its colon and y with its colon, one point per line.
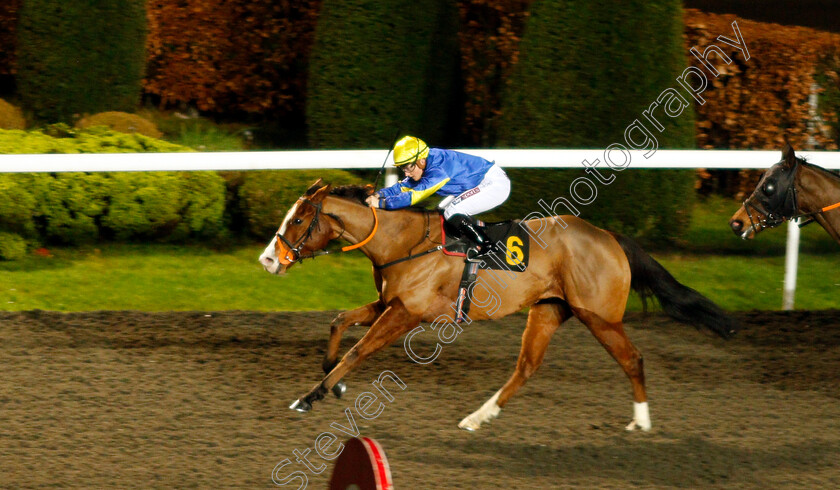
x: 362, y: 465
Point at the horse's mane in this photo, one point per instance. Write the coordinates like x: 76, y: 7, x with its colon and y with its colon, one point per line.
x: 358, y: 193
x: 826, y: 171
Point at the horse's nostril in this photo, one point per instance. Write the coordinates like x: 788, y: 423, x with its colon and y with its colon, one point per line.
x: 736, y: 225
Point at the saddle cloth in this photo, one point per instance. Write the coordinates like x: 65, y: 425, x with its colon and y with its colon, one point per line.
x: 511, y: 239
x: 512, y: 252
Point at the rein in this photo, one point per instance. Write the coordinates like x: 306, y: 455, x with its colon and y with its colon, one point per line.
x: 810, y: 216
x: 366, y: 240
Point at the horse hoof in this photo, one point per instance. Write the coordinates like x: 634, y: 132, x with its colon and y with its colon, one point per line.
x: 339, y: 389
x: 635, y: 425
x: 469, y: 425
x: 301, y: 406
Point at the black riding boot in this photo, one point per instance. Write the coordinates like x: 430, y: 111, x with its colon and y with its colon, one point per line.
x: 469, y: 229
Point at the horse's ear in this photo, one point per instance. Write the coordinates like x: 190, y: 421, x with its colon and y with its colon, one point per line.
x: 314, y: 187
x: 788, y: 156
x: 320, y: 193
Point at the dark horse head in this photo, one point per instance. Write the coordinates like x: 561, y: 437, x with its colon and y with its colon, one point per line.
x: 792, y: 188
x: 773, y: 201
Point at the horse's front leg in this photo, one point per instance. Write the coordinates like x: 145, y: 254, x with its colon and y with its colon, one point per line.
x: 365, y: 316
x: 394, y: 322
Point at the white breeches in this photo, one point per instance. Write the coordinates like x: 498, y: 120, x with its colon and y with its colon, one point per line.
x: 493, y: 190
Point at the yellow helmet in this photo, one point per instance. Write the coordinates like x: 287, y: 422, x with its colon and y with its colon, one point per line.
x: 408, y: 150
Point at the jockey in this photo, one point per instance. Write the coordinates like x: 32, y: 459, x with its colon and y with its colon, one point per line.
x: 477, y: 184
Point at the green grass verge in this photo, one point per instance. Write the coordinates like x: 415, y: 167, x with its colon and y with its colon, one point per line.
x: 165, y: 277
x: 743, y: 276
x: 746, y: 283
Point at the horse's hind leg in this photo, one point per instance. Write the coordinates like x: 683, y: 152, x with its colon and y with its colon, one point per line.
x: 364, y: 315
x: 543, y: 320
x: 613, y: 338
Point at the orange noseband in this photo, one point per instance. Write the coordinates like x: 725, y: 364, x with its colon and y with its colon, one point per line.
x: 283, y: 254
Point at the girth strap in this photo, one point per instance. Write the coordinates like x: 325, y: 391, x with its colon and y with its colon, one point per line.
x: 415, y: 256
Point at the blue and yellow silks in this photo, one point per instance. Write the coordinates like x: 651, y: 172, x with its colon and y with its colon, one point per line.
x: 447, y: 173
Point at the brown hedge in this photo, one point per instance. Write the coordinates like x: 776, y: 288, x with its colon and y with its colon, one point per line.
x: 11, y: 117
x: 8, y: 31
x: 489, y: 37
x: 757, y: 103
x: 230, y: 56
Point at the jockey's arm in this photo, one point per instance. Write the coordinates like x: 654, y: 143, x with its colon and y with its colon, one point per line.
x: 393, y: 190
x: 410, y: 192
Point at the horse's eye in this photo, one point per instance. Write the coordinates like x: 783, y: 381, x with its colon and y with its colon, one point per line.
x: 769, y: 188
x: 297, y: 221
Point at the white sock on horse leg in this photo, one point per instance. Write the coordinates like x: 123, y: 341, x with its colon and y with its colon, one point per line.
x: 641, y: 417
x: 491, y: 409
x: 488, y: 411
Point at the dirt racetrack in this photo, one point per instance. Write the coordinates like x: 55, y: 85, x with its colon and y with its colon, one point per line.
x: 199, y: 399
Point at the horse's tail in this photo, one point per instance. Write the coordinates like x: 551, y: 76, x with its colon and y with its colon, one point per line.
x: 680, y: 302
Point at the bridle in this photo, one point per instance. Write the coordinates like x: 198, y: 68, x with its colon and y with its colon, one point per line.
x: 783, y: 206
x: 295, y: 250
x: 781, y: 211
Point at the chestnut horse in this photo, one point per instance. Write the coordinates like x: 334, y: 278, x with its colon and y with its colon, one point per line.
x: 574, y: 269
x: 792, y: 188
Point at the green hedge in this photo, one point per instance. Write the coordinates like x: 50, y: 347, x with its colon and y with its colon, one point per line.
x: 84, y: 56
x: 587, y: 70
x: 379, y: 67
x: 68, y: 205
x: 73, y: 208
x: 18, y: 205
x: 267, y: 195
x: 60, y: 138
x: 12, y: 246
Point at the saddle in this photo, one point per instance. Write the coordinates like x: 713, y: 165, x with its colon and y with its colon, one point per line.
x: 511, y: 254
